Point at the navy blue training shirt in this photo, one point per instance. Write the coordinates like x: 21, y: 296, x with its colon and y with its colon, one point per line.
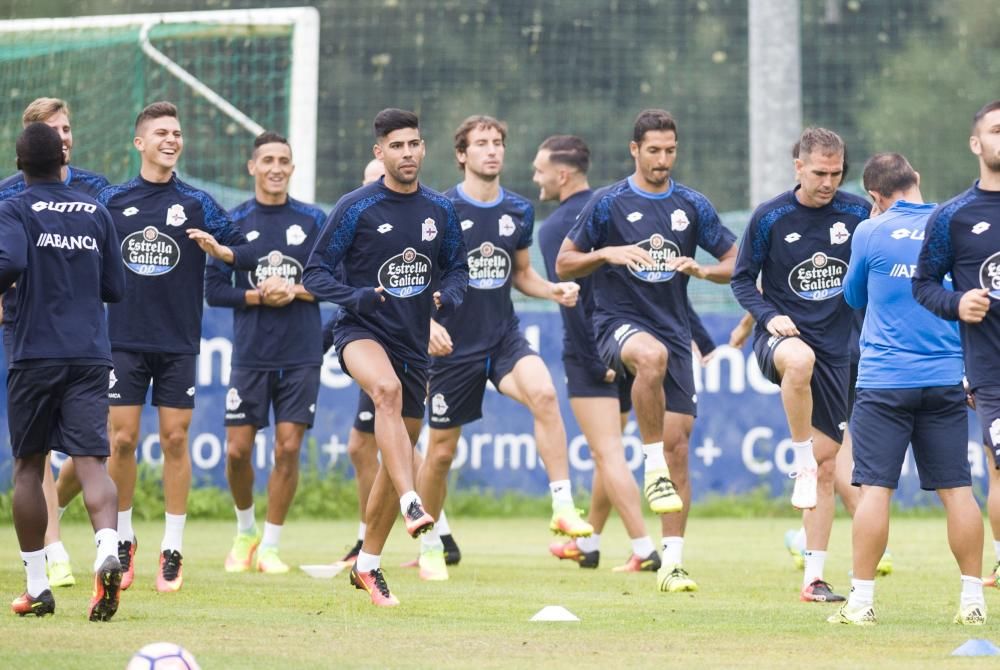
x: 60, y: 246
x: 667, y: 225
x: 271, y: 338
x: 402, y: 242
x: 963, y: 238
x: 801, y: 254
x: 165, y: 270
x: 493, y: 233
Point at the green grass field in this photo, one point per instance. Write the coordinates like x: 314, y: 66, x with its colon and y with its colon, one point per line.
x: 746, y: 615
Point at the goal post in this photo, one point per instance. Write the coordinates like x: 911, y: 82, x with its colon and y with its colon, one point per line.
x: 232, y: 73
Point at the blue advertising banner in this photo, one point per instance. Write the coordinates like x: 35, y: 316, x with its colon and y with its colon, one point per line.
x: 740, y: 439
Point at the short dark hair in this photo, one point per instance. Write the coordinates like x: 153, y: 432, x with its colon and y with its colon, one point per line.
x: 392, y: 119
x: 39, y: 151
x: 983, y: 111
x: 820, y: 140
x: 887, y: 173
x: 652, y: 119
x: 568, y: 150
x: 843, y: 173
x: 268, y: 137
x: 156, y: 110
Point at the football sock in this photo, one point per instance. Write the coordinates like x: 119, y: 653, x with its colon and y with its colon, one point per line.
x: 562, y: 492
x: 972, y: 590
x: 442, y: 524
x: 56, y: 552
x: 815, y: 561
x: 34, y: 565
x: 246, y: 522
x: 173, y: 533
x: 272, y: 535
x: 367, y: 562
x: 642, y: 546
x: 362, y: 527
x: 673, y: 550
x: 804, y: 457
x: 406, y: 499
x: 589, y: 544
x: 125, y: 533
x: 106, y: 540
x: 862, y: 593
x: 654, y: 458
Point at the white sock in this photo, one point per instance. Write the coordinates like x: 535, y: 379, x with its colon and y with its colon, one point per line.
x: 431, y: 540
x: 655, y: 460
x: 406, y: 499
x: 34, y: 565
x: 106, y: 540
x: 996, y: 548
x: 972, y: 591
x: 173, y: 533
x: 673, y: 550
x: 125, y: 532
x: 815, y: 561
x: 246, y: 521
x: 562, y: 493
x: 62, y: 510
x: 56, y: 553
x: 442, y: 524
x: 367, y: 562
x: 862, y: 593
x: 642, y: 546
x: 799, y: 541
x: 804, y: 456
x: 272, y: 535
x: 362, y: 527
x: 588, y: 544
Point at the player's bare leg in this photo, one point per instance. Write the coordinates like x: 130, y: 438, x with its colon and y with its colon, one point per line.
x: 123, y: 434
x: 672, y: 576
x: 363, y: 452
x: 56, y: 558
x: 240, y: 475
x: 993, y: 512
x: 174, y: 424
x: 794, y: 361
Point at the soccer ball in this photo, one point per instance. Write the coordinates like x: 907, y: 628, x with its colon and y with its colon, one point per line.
x: 163, y: 656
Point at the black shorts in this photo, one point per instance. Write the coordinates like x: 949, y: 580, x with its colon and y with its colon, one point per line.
x: 678, y: 383
x: 829, y: 386
x: 580, y: 383
x: 934, y: 420
x: 292, y: 392
x: 172, y: 376
x: 852, y: 391
x: 414, y: 395
x: 413, y: 379
x: 60, y: 408
x: 455, y: 395
x: 988, y: 411
x: 364, y: 417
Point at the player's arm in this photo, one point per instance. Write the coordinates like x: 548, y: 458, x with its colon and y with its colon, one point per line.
x: 221, y: 238
x: 220, y: 290
x: 856, y: 281
x: 752, y: 251
x: 440, y: 343
x: 935, y: 261
x: 713, y: 237
x: 13, y: 247
x: 453, y: 262
x: 585, y: 249
x: 527, y: 280
x: 699, y: 333
x: 738, y: 335
x: 321, y: 277
x: 720, y: 273
x: 112, y: 267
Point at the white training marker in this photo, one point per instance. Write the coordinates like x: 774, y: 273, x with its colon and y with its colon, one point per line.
x: 554, y: 613
x: 326, y: 571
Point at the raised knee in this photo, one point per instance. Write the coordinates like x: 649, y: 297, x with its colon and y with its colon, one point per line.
x: 387, y: 394
x: 800, y: 364
x: 651, y: 361
x: 544, y: 399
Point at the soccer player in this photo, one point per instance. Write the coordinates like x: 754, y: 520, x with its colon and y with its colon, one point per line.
x: 54, y: 113
x: 598, y: 399
x: 963, y: 238
x: 377, y: 255
x: 640, y: 236
x: 909, y: 391
x: 482, y: 341
x: 798, y: 243
x: 60, y: 247
x: 166, y: 227
x: 277, y: 349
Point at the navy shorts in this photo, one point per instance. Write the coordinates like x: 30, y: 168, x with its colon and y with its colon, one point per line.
x: 829, y: 386
x: 364, y: 417
x: 61, y: 408
x: 852, y: 391
x: 988, y: 411
x: 678, y: 384
x: 172, y: 376
x: 292, y: 392
x: 580, y: 383
x: 455, y: 395
x: 934, y: 420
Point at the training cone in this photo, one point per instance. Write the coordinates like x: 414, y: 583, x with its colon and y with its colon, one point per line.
x: 328, y: 571
x: 977, y: 648
x: 554, y: 613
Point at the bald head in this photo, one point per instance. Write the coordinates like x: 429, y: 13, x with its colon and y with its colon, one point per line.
x: 373, y: 171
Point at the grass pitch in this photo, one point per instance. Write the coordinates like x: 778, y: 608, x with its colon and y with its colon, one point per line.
x: 747, y: 613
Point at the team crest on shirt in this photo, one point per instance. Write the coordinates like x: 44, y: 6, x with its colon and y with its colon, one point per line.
x: 150, y: 253
x: 405, y: 275
x: 253, y: 235
x: 819, y: 277
x: 679, y: 220
x: 428, y: 231
x: 439, y: 407
x: 839, y: 233
x: 663, y: 251
x: 233, y: 400
x: 989, y: 275
x: 489, y: 266
x: 507, y: 226
x: 294, y: 235
x: 176, y: 215
x: 467, y: 223
x: 980, y: 228
x: 276, y: 264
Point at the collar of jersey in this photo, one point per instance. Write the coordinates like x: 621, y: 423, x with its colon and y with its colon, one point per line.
x: 647, y: 194
x: 982, y: 191
x: 477, y: 203
x: 69, y: 175
x: 906, y: 206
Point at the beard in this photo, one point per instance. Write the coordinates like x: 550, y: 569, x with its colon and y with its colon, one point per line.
x: 992, y: 163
